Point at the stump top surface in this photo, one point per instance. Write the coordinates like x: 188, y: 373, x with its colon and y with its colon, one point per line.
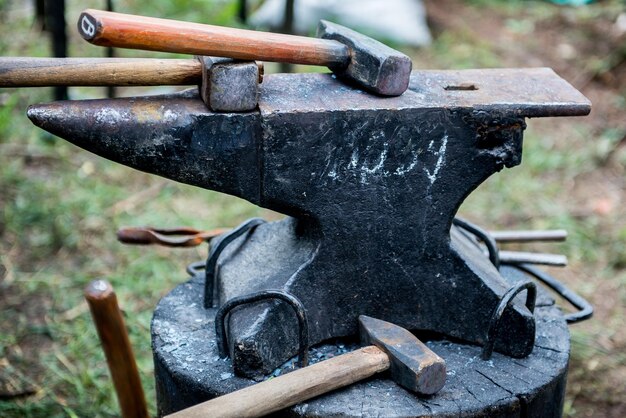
x: 183, y: 339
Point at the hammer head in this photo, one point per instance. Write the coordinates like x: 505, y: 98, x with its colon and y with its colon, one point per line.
x: 412, y: 365
x: 373, y: 65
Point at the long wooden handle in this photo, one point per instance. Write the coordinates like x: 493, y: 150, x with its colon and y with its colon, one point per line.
x: 153, y: 34
x: 292, y: 388
x: 42, y: 72
x: 119, y: 354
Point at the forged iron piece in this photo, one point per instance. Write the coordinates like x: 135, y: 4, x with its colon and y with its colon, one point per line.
x: 585, y: 310
x: 291, y: 300
x: 343, y: 165
x: 520, y: 257
x: 373, y: 65
x: 229, y: 85
x: 482, y: 235
x: 529, y: 236
x: 507, y: 298
x: 215, y: 252
x: 194, y: 269
x: 514, y: 257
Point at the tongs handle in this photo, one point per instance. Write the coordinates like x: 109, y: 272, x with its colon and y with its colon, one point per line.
x: 169, y: 237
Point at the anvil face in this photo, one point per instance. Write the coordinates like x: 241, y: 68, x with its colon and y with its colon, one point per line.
x: 371, y: 186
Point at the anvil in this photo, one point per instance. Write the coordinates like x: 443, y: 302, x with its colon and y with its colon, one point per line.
x: 370, y: 187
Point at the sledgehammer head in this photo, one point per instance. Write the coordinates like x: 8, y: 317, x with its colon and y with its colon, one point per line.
x: 373, y: 65
x: 412, y: 365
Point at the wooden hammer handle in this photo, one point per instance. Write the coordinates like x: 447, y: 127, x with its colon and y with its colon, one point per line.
x: 42, y: 72
x: 153, y: 34
x: 119, y: 354
x: 292, y: 388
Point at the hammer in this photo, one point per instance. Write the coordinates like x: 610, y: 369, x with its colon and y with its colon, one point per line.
x: 349, y: 54
x: 389, y: 347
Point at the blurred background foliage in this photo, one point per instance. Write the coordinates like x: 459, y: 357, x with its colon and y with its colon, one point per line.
x: 60, y: 206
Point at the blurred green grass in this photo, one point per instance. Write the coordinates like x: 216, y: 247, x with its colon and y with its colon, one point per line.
x: 61, y: 207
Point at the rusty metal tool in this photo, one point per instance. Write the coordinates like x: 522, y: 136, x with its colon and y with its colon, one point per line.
x: 388, y: 347
x: 117, y: 349
x: 229, y: 85
x: 169, y: 237
x: 375, y: 66
x: 521, y: 257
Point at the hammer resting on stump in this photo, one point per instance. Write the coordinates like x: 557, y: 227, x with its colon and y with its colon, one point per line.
x: 389, y: 347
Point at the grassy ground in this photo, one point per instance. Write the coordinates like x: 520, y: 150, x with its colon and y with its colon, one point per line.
x: 60, y: 206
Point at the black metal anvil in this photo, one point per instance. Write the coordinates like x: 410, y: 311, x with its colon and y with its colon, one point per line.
x: 371, y: 186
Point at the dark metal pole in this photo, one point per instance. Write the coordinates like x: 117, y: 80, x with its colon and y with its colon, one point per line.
x: 243, y: 11
x: 110, y: 54
x: 55, y: 23
x: 287, y: 28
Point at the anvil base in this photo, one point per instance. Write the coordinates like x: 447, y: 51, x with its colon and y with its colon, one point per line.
x: 188, y: 370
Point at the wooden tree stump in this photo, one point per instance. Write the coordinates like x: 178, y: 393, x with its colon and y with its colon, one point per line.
x: 188, y: 370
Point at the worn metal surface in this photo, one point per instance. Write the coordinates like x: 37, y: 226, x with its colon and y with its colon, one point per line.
x: 229, y: 85
x: 373, y: 65
x: 370, y: 184
x: 413, y: 365
x: 189, y: 370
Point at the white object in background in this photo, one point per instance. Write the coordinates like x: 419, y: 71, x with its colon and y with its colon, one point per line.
x: 397, y: 21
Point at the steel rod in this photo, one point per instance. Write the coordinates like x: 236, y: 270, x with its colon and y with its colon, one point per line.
x: 529, y: 236
x: 519, y: 257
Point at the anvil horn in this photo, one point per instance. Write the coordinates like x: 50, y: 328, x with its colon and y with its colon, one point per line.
x: 163, y: 135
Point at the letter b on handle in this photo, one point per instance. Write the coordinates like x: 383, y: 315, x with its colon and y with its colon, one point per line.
x: 86, y: 27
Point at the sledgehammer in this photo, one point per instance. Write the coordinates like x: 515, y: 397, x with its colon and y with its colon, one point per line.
x: 375, y: 66
x: 389, y: 347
